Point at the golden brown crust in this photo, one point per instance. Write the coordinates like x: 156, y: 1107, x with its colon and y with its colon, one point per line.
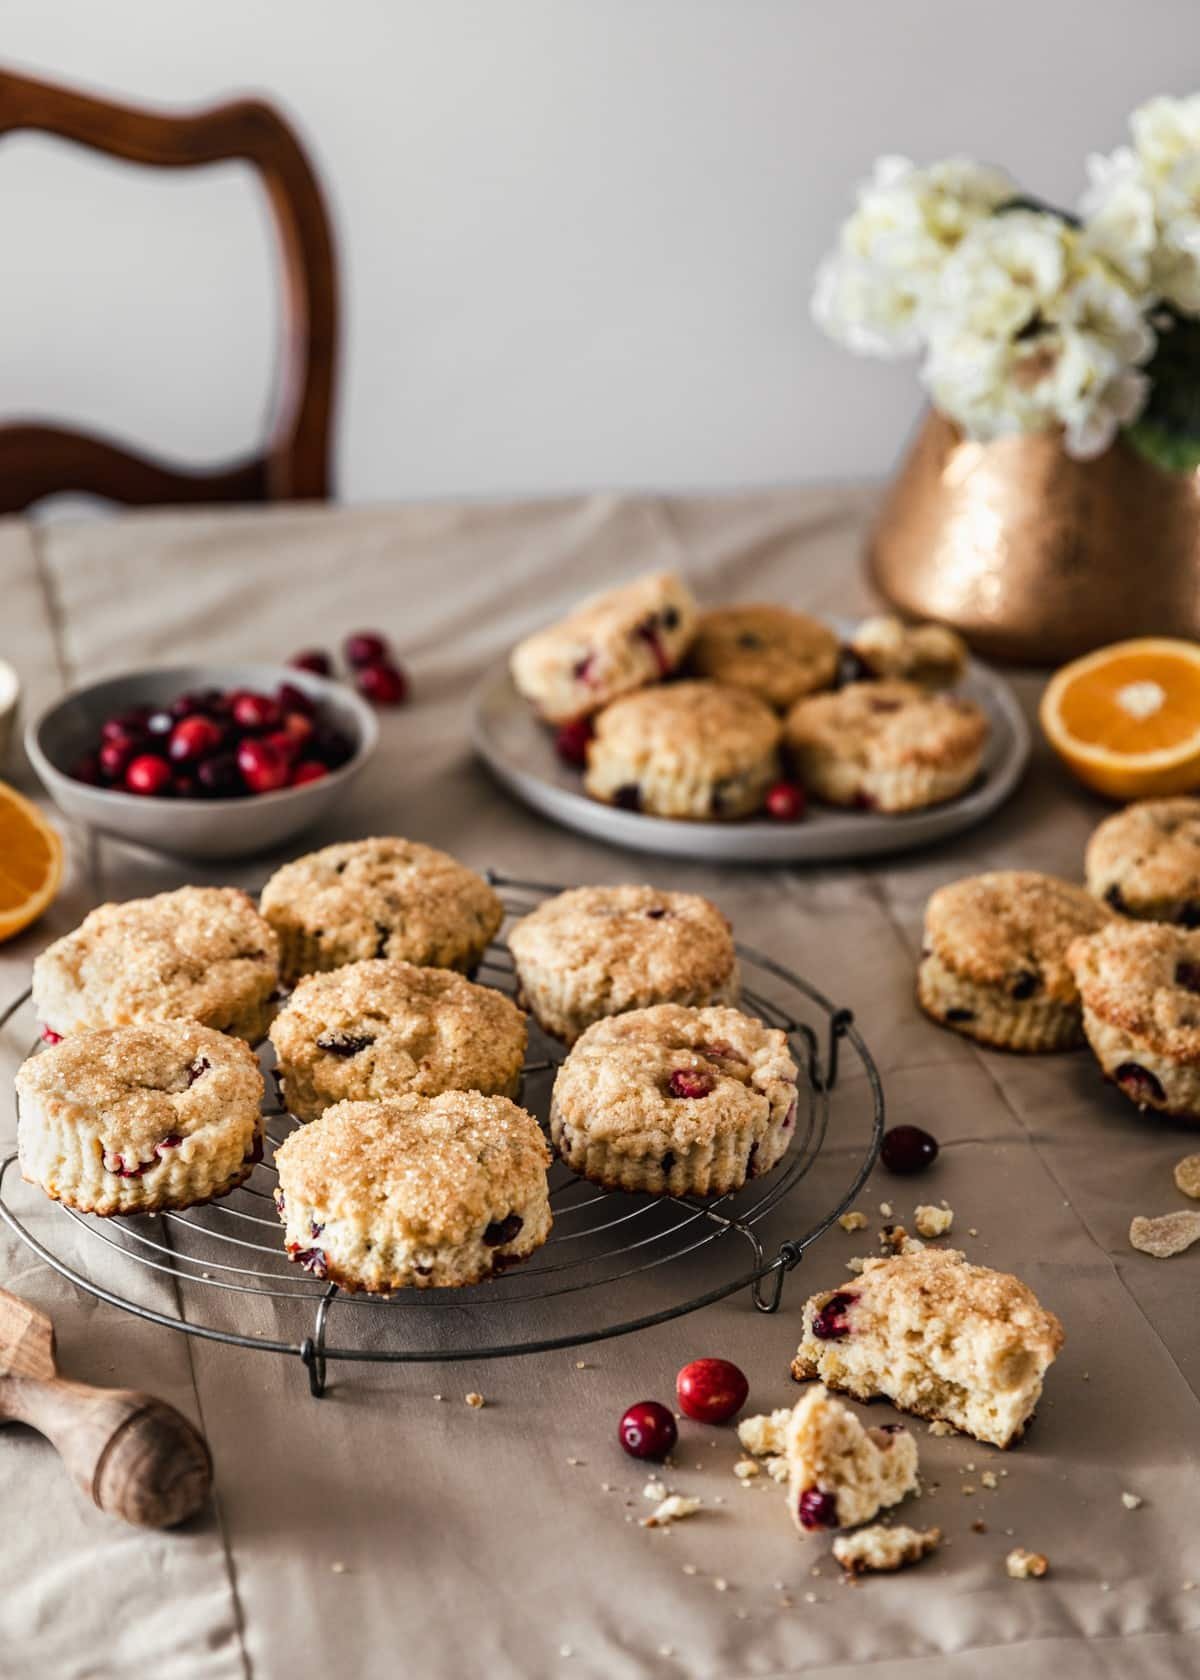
x: 1010, y: 929
x: 1145, y: 860
x: 775, y: 653
x: 1143, y: 978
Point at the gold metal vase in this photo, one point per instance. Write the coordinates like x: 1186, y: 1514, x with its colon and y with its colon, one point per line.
x: 1035, y: 557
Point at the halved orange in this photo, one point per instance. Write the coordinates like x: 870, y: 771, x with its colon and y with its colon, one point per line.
x: 31, y: 862
x: 1126, y: 719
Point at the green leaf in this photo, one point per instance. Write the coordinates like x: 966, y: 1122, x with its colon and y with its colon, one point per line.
x: 1163, y: 448
x: 1167, y: 431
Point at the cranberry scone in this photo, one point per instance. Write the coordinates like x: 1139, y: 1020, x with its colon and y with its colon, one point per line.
x: 118, y: 1120
x: 886, y: 746
x: 414, y: 1192
x: 994, y: 963
x: 774, y: 652
x: 383, y: 897
x: 1140, y: 985
x: 840, y: 1474
x: 929, y: 654
x: 599, y: 951
x: 936, y: 1336
x: 381, y: 1028
x: 201, y: 954
x: 1145, y: 861
x: 611, y: 644
x: 695, y: 750
x: 675, y: 1101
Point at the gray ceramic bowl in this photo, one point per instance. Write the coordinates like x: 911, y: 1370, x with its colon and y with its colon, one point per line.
x: 195, y: 828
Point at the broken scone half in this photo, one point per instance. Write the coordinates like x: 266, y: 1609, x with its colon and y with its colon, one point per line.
x: 840, y: 1474
x: 938, y: 1337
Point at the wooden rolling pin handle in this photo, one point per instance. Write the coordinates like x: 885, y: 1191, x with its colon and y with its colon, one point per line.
x: 135, y: 1456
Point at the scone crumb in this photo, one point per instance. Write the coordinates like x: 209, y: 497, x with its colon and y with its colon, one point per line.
x: 777, y: 1469
x: 1024, y: 1565
x: 1169, y: 1234
x: 746, y: 1469
x: 475, y: 1400
x: 674, y: 1508
x: 1187, y: 1175
x: 911, y: 1245
x: 655, y: 1490
x: 885, y: 1210
x: 989, y: 1480
x: 1131, y: 1501
x: 855, y: 1221
x: 720, y: 1584
x: 884, y: 1548
x: 765, y: 1435
x: 933, y: 1221
x: 689, y: 1569
x: 940, y: 1427
x: 338, y: 1568
x: 856, y: 1264
x: 892, y: 1239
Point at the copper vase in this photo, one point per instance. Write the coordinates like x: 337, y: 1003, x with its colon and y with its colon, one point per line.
x: 1035, y: 557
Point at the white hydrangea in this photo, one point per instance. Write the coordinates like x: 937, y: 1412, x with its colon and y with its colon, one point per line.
x: 1142, y: 206
x: 871, y: 293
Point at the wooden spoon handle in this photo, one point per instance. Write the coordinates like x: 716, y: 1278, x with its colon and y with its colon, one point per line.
x: 135, y: 1456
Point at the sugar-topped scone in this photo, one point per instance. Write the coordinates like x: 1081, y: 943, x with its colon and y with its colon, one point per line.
x: 379, y: 898
x: 937, y: 1337
x: 381, y: 1028
x: 686, y: 749
x: 611, y: 644
x: 164, y: 1114
x: 675, y: 1101
x: 886, y: 746
x: 994, y: 965
x: 929, y: 654
x: 414, y: 1192
x: 1145, y: 861
x: 1140, y: 985
x: 774, y: 652
x: 597, y: 951
x: 840, y: 1474
x: 200, y: 953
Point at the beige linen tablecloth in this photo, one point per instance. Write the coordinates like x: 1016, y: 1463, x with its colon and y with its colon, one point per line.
x: 383, y: 1531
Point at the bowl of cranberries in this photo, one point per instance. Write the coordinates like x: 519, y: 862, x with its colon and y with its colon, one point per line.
x: 203, y: 761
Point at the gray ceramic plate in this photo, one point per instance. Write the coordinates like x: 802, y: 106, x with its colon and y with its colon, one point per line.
x: 520, y: 753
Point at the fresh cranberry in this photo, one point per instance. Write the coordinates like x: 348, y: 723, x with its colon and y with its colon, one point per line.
x: 571, y: 742
x: 255, y: 711
x: 294, y: 699
x: 284, y: 743
x: 308, y: 770
x: 264, y: 768
x: 907, y: 1149
x: 343, y: 1044
x: 817, y: 1509
x: 114, y: 758
x: 366, y: 648
x: 118, y: 729
x: 829, y: 1324
x: 647, y: 1430
x: 315, y: 660
x: 49, y: 1036
x: 502, y: 1231
x: 219, y: 777
x: 184, y: 704
x: 382, y: 684
x: 193, y: 738
x: 148, y: 775
x: 785, y: 802
x: 332, y: 747
x: 711, y: 1390
x: 691, y: 1082
x: 185, y: 786
x: 299, y: 728
x: 87, y: 769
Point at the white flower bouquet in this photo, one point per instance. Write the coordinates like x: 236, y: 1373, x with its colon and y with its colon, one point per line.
x: 1029, y: 318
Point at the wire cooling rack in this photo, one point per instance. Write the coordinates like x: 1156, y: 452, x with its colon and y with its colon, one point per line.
x: 614, y: 1262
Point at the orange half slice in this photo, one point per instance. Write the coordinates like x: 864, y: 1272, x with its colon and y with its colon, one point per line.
x: 31, y: 862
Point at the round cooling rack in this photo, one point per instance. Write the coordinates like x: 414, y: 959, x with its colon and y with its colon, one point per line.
x: 614, y: 1262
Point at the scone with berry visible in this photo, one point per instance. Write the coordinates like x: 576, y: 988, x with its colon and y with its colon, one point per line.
x: 936, y: 1336
x: 1140, y: 985
x: 687, y: 749
x: 840, y: 1474
x: 383, y: 897
x: 414, y: 1192
x: 610, y: 645
x: 381, y: 1028
x: 598, y: 951
x: 886, y: 746
x: 200, y: 953
x: 1144, y: 861
x: 675, y: 1101
x: 994, y: 964
x: 164, y: 1114
x: 929, y: 654
x: 774, y: 652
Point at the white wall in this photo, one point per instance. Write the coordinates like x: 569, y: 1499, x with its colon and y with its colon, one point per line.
x: 577, y: 235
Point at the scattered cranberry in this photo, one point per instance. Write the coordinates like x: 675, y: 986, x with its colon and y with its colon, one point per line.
x: 907, y: 1149
x: 49, y: 1036
x: 366, y: 648
x: 308, y: 770
x: 711, y: 1390
x: 193, y: 738
x: 829, y: 1322
x: 786, y: 802
x: 571, y: 742
x: 315, y: 660
x: 114, y: 757
x: 148, y: 775
x: 691, y: 1082
x: 382, y: 684
x: 647, y: 1430
x: 817, y: 1509
x: 264, y: 768
x: 255, y: 711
